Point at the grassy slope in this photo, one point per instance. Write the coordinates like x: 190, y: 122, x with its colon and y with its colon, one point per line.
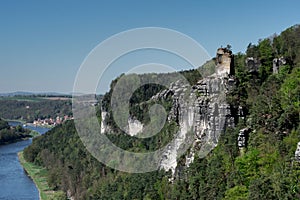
x: 39, y: 177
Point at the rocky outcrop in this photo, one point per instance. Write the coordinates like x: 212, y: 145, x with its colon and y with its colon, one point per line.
x: 225, y: 62
x: 243, y: 137
x: 277, y: 63
x: 297, y: 152
x: 104, y: 127
x: 134, y: 127
x: 253, y: 64
x: 183, y: 113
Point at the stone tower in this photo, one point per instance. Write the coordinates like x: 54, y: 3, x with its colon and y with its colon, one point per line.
x: 225, y: 62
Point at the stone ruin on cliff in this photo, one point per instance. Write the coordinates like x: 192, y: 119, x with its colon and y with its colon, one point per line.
x: 224, y: 62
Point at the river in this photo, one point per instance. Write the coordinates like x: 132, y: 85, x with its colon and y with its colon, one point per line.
x: 14, y: 182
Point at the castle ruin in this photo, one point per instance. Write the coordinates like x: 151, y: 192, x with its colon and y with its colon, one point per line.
x: 225, y: 62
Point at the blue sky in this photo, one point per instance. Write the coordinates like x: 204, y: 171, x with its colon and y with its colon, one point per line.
x: 43, y: 43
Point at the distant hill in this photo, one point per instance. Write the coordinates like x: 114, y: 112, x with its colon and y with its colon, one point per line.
x: 22, y: 93
x: 18, y: 93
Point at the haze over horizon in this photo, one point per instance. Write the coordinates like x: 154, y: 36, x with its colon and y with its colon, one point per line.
x: 44, y: 43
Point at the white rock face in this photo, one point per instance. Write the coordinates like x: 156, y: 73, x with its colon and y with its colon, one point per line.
x: 103, y: 124
x: 242, y: 137
x: 186, y: 121
x: 297, y: 152
x: 203, y: 113
x: 183, y: 112
x: 134, y: 127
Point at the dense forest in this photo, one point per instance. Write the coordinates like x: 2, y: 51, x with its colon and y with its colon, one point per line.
x: 12, y: 134
x: 30, y: 108
x: 265, y: 168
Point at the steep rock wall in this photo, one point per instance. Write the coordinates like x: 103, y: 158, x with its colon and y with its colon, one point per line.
x: 202, y: 112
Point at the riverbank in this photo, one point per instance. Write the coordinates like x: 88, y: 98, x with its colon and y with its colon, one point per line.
x: 39, y: 177
x: 15, y: 120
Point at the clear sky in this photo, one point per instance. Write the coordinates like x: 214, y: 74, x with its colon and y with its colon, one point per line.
x: 43, y: 43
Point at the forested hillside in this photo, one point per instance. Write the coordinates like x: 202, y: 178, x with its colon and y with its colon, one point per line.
x: 267, y: 101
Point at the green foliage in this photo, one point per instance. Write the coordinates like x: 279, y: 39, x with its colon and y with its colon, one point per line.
x: 72, y: 168
x: 208, y: 68
x: 290, y: 91
x: 192, y: 76
x: 287, y: 44
x: 265, y: 52
x: 59, y: 196
x: 239, y: 192
x: 3, y: 124
x: 252, y: 51
x: 248, y: 166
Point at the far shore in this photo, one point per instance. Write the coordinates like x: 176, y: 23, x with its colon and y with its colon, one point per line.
x: 42, y: 126
x: 15, y: 120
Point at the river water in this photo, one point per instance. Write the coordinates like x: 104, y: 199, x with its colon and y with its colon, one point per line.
x: 14, y: 182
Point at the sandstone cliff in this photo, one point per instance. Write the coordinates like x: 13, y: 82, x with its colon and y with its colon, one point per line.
x: 201, y: 112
